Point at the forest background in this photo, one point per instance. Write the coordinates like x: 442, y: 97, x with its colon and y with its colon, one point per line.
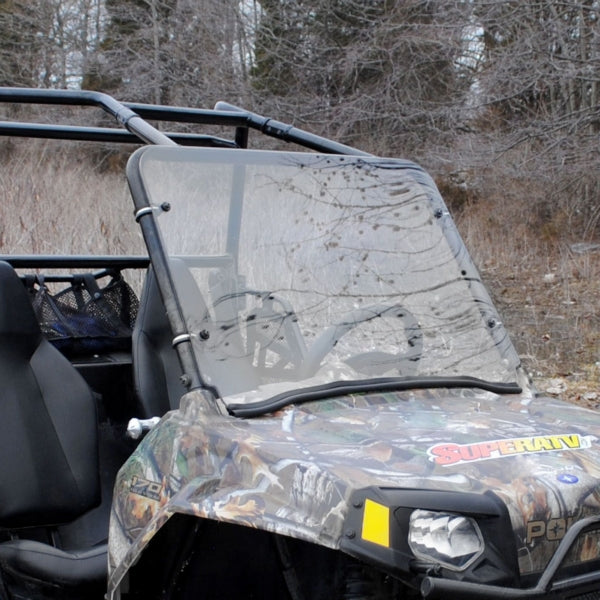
x: 498, y: 100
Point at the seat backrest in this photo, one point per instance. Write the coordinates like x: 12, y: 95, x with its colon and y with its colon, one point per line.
x: 48, y: 423
x: 156, y: 368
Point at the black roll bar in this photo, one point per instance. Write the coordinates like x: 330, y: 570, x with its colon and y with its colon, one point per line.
x: 124, y: 115
x: 289, y: 133
x: 103, y: 134
x: 132, y: 117
x: 74, y: 261
x: 226, y: 114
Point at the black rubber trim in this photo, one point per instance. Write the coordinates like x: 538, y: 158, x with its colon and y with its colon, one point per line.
x: 390, y: 384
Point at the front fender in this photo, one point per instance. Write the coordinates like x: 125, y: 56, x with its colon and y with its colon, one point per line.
x: 199, y: 463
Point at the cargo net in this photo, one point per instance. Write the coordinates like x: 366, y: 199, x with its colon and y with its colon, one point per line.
x: 84, y: 318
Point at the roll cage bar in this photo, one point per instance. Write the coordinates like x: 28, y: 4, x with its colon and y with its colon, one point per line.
x: 135, y: 129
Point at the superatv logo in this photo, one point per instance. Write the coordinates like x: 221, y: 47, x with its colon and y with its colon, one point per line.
x: 452, y: 454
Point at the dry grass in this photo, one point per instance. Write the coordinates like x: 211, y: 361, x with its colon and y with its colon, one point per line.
x: 544, y: 280
x: 54, y: 202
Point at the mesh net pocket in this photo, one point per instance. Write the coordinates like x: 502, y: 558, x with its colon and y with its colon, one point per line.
x: 86, y: 319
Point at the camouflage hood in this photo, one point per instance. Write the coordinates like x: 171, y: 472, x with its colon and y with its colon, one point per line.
x: 294, y: 471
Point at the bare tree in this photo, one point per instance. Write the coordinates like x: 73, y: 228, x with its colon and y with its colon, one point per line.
x: 19, y: 43
x: 381, y: 73
x: 47, y: 42
x: 537, y: 98
x: 172, y: 51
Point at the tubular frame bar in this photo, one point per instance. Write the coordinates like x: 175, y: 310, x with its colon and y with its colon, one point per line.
x: 75, y: 261
x: 103, y: 134
x: 125, y: 116
x: 132, y: 115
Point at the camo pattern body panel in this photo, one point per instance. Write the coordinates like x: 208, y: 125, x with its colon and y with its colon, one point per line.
x: 294, y: 471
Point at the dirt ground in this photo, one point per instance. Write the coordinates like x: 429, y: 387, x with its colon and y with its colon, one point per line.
x: 551, y: 308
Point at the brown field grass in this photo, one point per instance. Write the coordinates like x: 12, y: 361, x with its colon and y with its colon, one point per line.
x: 543, y: 276
x: 55, y: 202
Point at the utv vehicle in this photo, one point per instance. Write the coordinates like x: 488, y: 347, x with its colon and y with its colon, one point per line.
x: 313, y: 398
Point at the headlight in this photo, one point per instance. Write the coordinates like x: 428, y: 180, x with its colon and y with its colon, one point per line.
x: 451, y: 540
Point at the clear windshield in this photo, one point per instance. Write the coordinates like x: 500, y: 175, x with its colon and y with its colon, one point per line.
x: 296, y: 270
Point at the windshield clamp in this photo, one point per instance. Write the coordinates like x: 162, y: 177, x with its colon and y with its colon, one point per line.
x: 180, y: 339
x: 147, y: 210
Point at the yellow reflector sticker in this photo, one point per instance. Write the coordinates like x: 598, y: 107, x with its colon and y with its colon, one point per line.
x: 376, y: 523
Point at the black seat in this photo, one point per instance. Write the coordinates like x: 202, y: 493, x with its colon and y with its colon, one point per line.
x: 49, y: 474
x: 156, y: 368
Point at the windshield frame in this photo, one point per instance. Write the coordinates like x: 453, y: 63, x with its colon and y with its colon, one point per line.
x: 146, y: 214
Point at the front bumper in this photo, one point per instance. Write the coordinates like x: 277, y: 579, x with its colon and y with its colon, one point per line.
x: 573, y: 572
x: 551, y: 585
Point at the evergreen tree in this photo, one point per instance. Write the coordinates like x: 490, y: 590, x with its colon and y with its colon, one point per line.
x: 382, y: 70
x: 134, y: 52
x: 19, y: 44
